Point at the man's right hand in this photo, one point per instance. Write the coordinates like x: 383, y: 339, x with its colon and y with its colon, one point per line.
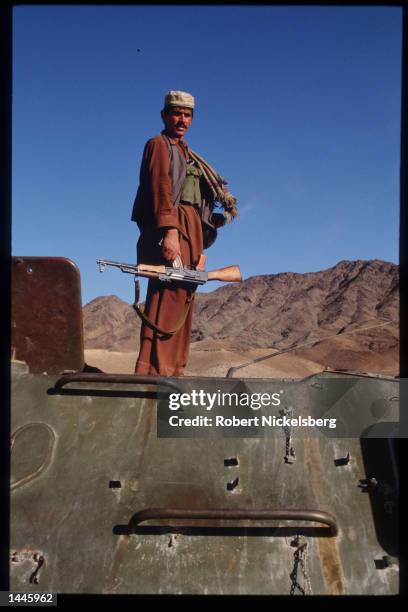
x: 171, y: 245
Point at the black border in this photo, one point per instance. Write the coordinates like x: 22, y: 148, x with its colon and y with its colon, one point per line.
x: 5, y: 254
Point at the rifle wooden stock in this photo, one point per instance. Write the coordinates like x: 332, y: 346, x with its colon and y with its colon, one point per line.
x: 231, y: 274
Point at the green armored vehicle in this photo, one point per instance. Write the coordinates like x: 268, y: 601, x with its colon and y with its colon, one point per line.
x: 107, y: 498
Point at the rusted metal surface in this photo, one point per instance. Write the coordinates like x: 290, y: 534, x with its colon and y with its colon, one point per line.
x: 329, y: 554
x: 126, y: 379
x: 46, y: 325
x: 29, y: 563
x: 238, y: 514
x: 74, y: 501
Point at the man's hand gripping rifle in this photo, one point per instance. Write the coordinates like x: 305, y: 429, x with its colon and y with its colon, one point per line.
x: 178, y: 272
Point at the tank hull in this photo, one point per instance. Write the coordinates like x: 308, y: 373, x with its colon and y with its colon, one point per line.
x: 85, y: 459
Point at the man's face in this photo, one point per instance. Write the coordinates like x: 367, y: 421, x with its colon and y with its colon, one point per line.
x: 177, y: 121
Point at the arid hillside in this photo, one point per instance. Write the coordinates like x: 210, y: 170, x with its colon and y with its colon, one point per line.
x: 273, y: 312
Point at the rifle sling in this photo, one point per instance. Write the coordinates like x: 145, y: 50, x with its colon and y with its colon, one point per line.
x: 158, y: 329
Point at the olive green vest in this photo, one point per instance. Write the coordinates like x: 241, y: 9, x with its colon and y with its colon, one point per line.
x: 190, y: 191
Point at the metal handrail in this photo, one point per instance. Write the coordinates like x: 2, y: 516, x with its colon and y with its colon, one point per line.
x: 318, y: 516
x: 128, y: 379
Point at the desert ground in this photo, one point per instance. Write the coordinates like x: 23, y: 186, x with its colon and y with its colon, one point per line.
x: 214, y: 358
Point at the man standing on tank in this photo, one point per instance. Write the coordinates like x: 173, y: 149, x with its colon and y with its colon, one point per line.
x: 170, y: 206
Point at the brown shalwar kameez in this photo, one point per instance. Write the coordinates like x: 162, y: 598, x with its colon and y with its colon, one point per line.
x: 154, y: 211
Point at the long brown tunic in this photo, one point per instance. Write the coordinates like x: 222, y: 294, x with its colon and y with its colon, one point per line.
x: 155, y: 212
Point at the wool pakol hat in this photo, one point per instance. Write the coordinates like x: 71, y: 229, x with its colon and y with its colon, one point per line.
x: 179, y: 98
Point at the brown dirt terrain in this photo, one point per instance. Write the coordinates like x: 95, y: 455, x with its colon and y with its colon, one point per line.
x: 213, y: 360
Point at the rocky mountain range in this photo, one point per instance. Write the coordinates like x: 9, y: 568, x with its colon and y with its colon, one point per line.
x: 276, y: 311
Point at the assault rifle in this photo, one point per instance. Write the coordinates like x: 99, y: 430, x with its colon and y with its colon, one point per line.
x: 178, y: 272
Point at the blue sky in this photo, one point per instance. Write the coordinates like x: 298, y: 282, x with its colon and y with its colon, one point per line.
x: 298, y: 107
